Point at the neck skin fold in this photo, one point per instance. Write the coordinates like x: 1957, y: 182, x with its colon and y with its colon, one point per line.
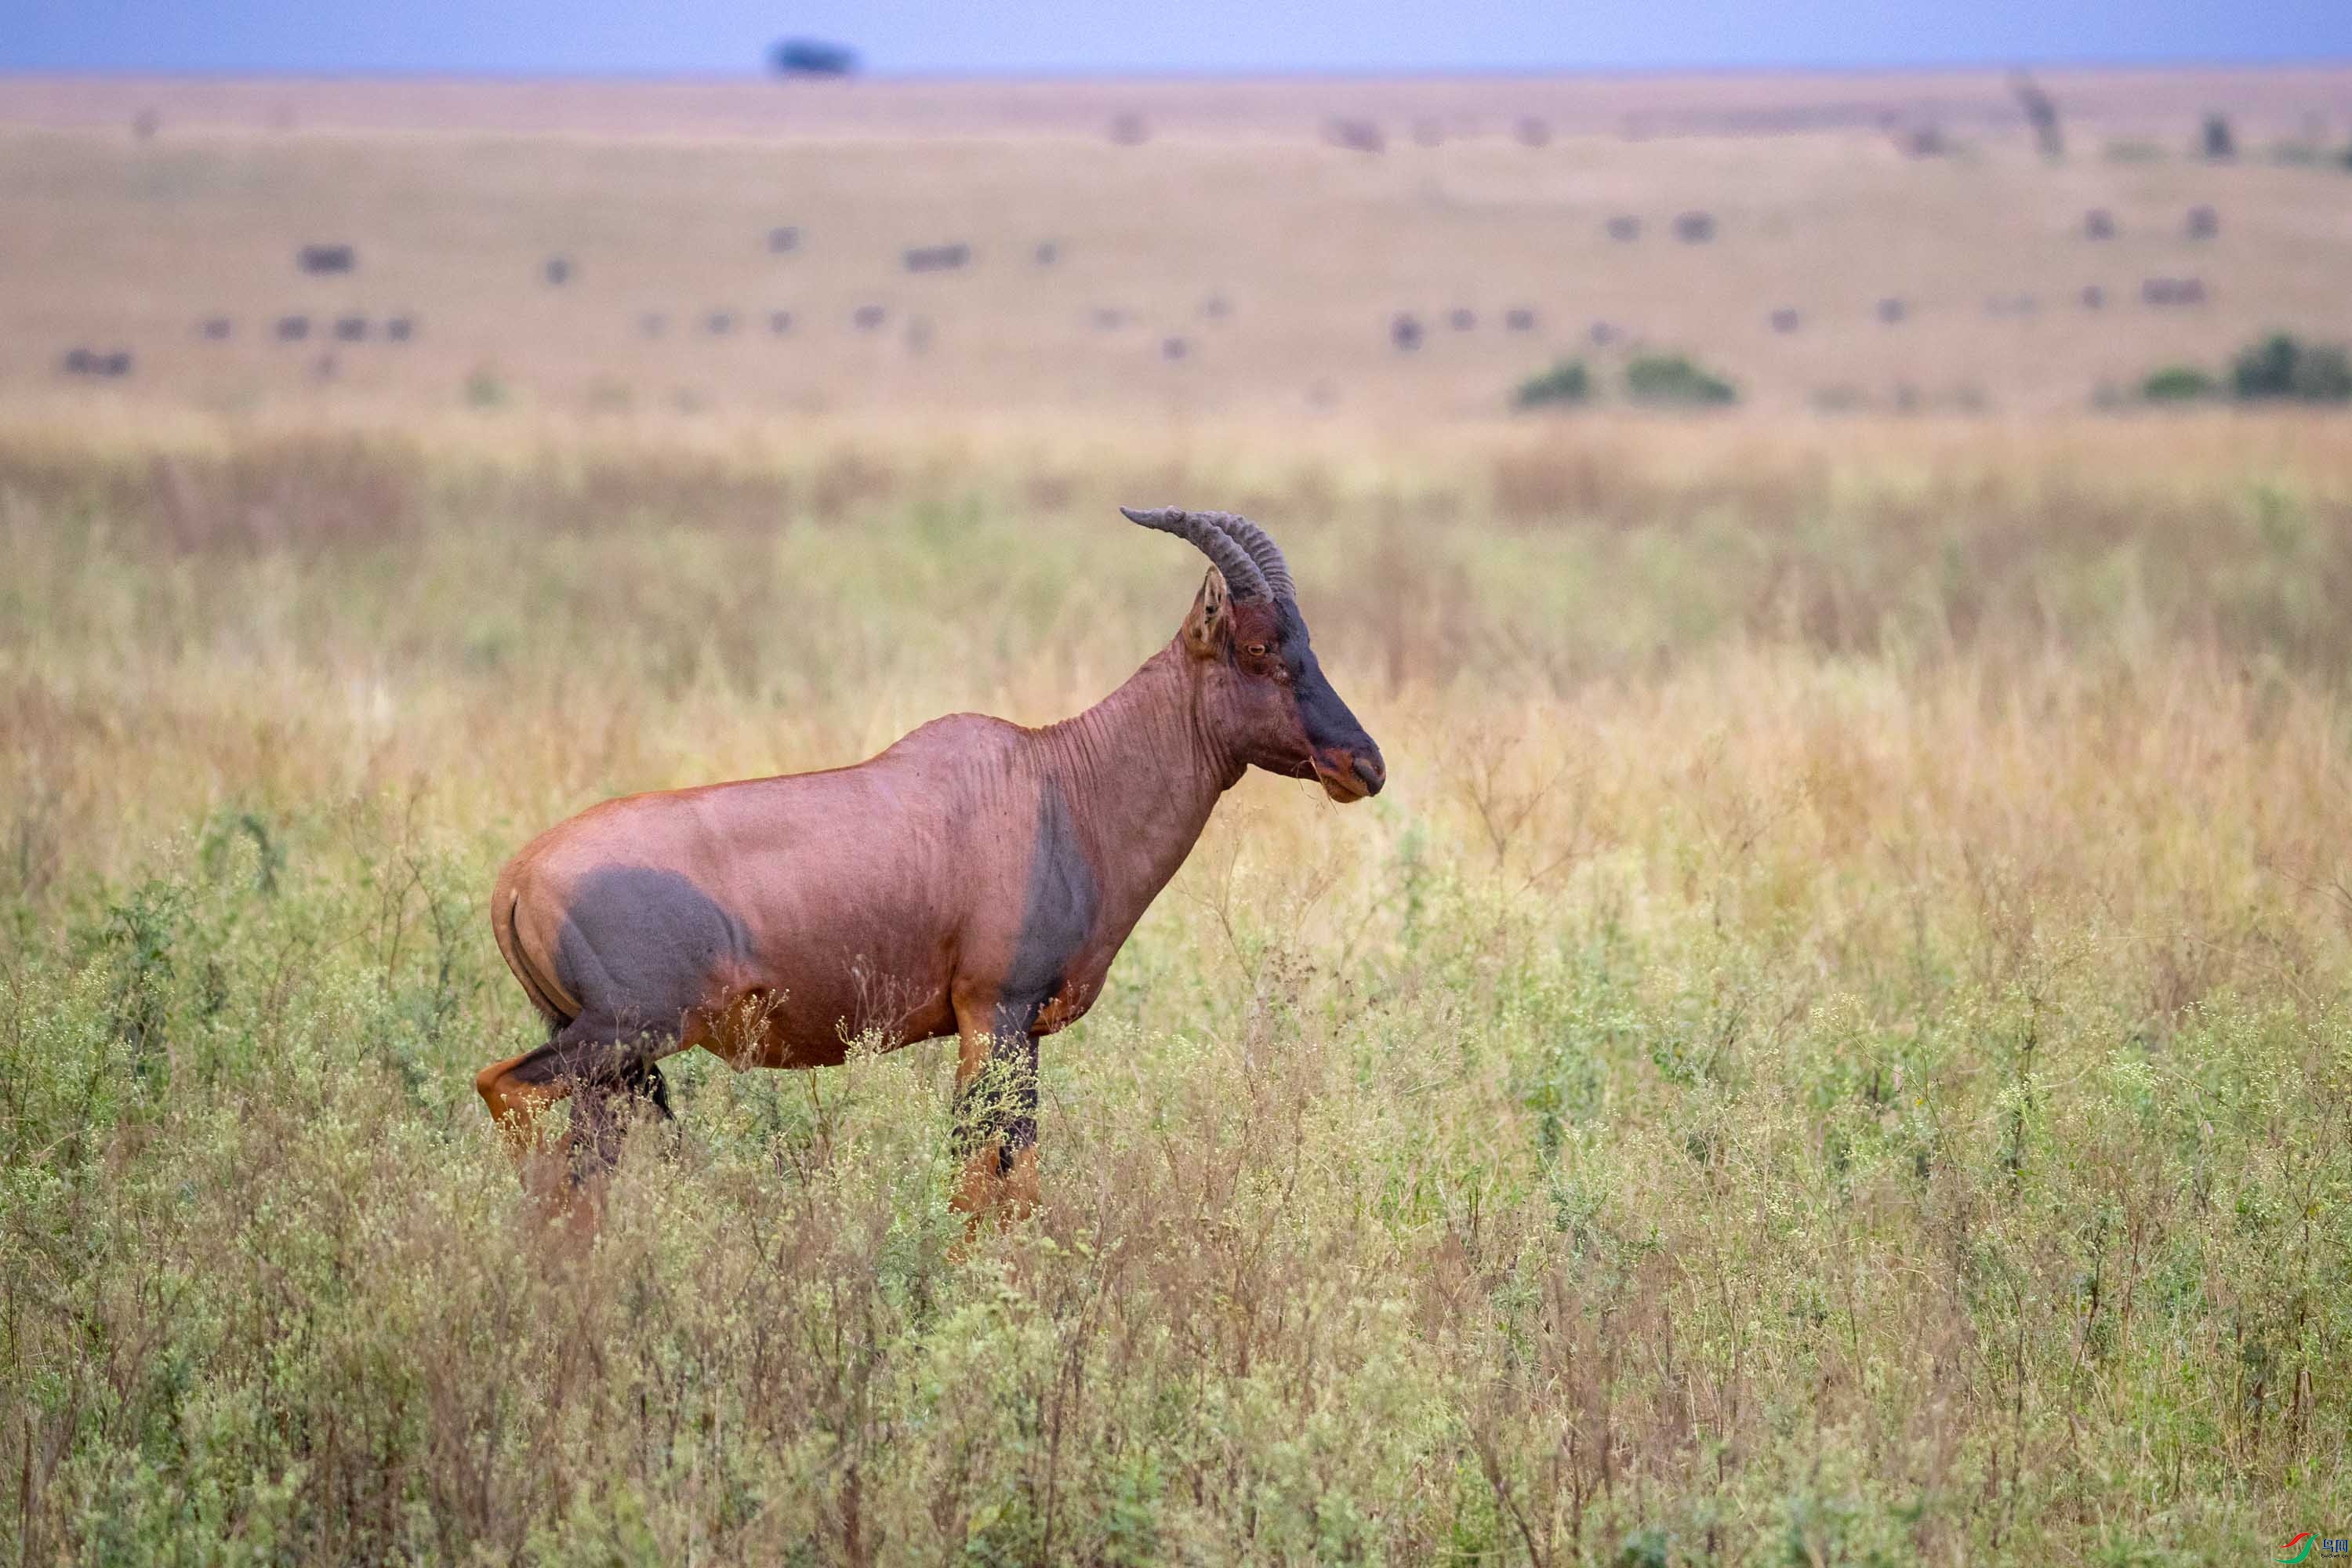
x: 1141, y: 772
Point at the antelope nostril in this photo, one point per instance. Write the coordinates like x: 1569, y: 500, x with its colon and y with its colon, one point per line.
x: 1370, y: 770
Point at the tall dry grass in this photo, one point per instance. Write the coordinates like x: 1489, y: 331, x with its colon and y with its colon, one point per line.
x: 1833, y: 1047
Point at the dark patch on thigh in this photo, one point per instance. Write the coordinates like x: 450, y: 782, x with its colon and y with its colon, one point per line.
x: 639, y: 946
x: 1057, y: 915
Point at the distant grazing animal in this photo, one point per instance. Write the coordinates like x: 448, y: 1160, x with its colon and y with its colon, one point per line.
x: 1624, y: 227
x: 783, y: 239
x: 326, y: 258
x: 2098, y: 223
x: 1695, y: 227
x: 1785, y: 320
x: 2203, y: 223
x: 2172, y: 291
x: 350, y: 329
x: 1174, y: 349
x: 217, y: 328
x: 1462, y: 318
x: 88, y: 361
x: 557, y: 270
x: 1533, y: 132
x: 1892, y: 311
x: 2093, y: 297
x: 1355, y: 135
x: 1404, y: 331
x: 936, y: 258
x: 867, y: 318
x: 292, y: 329
x: 399, y: 330
x: 1520, y: 319
x: 780, y: 323
x: 975, y: 878
x: 1048, y: 253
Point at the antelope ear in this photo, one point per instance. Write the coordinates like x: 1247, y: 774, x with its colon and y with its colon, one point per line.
x: 1204, y: 627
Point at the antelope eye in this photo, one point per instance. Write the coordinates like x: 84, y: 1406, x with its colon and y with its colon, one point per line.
x: 1256, y: 650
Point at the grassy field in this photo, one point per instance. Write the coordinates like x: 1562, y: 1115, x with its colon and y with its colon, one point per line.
x: 1834, y: 1046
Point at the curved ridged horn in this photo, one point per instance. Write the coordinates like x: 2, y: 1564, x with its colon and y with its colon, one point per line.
x: 1242, y: 575
x: 1262, y: 549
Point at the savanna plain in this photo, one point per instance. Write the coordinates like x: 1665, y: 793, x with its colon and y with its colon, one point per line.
x: 1833, y: 1046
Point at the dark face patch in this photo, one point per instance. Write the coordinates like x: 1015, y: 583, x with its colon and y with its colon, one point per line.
x: 1281, y: 713
x: 1329, y: 724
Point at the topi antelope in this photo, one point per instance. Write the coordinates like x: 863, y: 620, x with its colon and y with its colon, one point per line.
x: 976, y: 878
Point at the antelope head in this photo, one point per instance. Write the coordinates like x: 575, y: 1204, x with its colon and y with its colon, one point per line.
x: 1262, y: 698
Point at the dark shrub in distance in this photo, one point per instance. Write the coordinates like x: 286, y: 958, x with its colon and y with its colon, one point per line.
x: 2178, y: 384
x: 1565, y: 383
x: 1676, y: 379
x: 2284, y: 366
x: 812, y: 57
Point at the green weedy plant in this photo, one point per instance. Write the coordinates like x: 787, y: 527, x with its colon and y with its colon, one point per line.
x: 2282, y: 366
x: 1676, y: 379
x: 1567, y: 382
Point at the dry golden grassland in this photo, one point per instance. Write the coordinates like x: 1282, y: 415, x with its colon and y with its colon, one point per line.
x: 1311, y: 250
x: 1834, y: 1046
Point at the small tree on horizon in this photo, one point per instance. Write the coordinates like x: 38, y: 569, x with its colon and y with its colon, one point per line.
x: 812, y: 57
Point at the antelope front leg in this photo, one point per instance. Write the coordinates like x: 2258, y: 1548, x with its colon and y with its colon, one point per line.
x: 996, y: 1117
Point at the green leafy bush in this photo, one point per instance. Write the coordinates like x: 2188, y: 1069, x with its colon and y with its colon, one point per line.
x: 2179, y: 383
x: 1566, y: 381
x: 1675, y: 378
x: 2282, y: 366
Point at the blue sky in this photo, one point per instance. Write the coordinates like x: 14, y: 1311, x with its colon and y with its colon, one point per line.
x: 1001, y: 36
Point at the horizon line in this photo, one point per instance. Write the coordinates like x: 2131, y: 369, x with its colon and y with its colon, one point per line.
x: 1146, y: 75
